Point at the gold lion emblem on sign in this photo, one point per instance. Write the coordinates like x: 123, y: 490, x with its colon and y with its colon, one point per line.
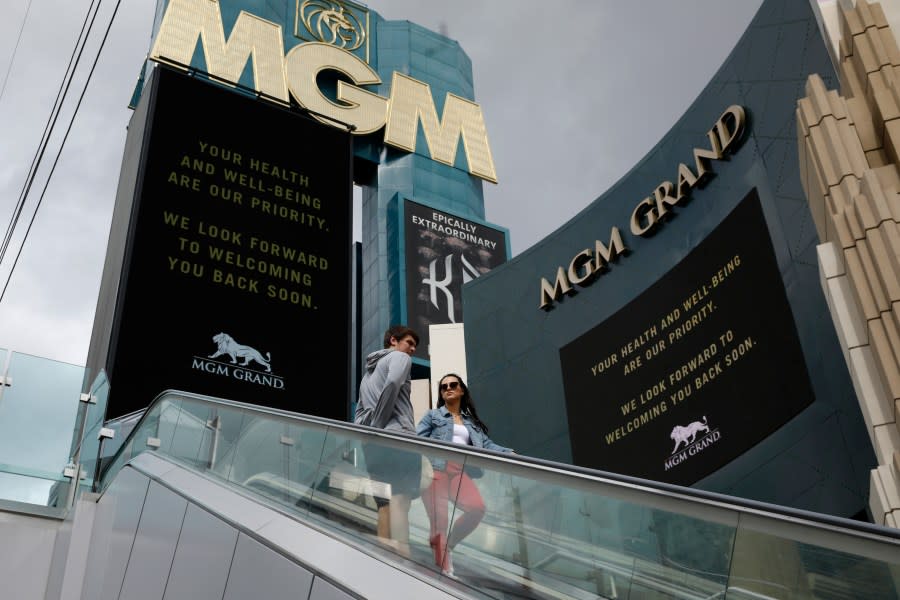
x: 332, y: 22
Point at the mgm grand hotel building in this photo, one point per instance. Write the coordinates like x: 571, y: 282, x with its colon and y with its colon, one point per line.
x: 727, y: 315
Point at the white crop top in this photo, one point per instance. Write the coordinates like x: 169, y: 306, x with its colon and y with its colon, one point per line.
x: 460, y: 434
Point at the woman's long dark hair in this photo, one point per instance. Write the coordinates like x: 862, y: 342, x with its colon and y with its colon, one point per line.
x: 465, y: 403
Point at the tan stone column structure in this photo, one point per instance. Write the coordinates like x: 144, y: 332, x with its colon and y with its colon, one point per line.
x: 849, y: 145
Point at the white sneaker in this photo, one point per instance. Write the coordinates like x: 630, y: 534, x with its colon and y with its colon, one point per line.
x: 448, y: 565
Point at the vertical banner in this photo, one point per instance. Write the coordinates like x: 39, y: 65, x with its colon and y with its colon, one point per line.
x: 696, y: 370
x: 442, y: 252
x: 236, y: 281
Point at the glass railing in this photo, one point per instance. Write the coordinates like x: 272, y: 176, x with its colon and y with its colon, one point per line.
x: 39, y: 406
x: 518, y: 528
x: 86, y: 439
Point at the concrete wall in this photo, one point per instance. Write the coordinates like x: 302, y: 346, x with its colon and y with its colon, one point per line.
x: 26, y: 554
x: 849, y: 147
x: 448, y: 353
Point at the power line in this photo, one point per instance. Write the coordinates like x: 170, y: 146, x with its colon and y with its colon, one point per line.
x: 51, y: 122
x: 62, y: 144
x: 48, y: 127
x: 15, y: 49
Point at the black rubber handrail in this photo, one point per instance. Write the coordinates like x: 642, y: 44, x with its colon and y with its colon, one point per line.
x: 658, y: 488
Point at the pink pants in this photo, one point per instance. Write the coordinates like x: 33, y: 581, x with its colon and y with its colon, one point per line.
x: 449, y: 484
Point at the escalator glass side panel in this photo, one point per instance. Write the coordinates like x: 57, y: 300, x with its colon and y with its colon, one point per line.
x: 506, y: 527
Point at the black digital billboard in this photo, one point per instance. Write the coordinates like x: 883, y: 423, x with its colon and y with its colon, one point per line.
x: 699, y: 368
x: 442, y: 252
x: 237, y: 266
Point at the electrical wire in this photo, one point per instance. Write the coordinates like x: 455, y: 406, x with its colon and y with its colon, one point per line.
x: 15, y: 50
x: 63, y: 143
x: 61, y: 94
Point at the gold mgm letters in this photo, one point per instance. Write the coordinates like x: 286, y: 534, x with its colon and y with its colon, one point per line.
x: 583, y: 268
x: 277, y: 74
x: 648, y: 214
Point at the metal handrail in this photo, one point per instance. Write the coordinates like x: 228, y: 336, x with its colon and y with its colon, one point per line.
x: 658, y: 489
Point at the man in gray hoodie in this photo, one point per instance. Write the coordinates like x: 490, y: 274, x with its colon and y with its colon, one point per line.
x: 384, y: 403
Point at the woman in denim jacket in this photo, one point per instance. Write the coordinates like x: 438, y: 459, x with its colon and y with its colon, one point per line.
x: 454, y: 420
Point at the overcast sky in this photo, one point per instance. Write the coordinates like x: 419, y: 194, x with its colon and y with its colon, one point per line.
x: 574, y: 93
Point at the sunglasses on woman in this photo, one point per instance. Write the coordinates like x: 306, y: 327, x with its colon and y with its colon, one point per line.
x: 450, y: 385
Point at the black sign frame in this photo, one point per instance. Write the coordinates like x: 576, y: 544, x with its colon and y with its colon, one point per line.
x: 236, y: 277
x: 696, y: 370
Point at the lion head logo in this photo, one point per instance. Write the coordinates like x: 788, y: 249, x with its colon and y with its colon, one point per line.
x: 332, y: 22
x: 225, y: 345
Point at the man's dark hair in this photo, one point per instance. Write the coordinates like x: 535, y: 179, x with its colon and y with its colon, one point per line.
x: 399, y: 332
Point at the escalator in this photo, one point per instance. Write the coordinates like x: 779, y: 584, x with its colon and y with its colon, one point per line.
x: 295, y: 489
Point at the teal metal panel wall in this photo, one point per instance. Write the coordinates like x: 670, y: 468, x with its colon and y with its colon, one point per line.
x: 818, y: 460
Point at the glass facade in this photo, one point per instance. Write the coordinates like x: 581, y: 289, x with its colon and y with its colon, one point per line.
x: 432, y: 58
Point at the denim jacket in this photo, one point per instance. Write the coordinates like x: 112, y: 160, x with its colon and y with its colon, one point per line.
x: 437, y: 424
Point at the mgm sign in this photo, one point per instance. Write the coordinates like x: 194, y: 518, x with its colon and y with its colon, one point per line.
x: 281, y: 76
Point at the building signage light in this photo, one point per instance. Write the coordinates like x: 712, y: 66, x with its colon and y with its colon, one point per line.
x: 283, y: 75
x: 649, y: 214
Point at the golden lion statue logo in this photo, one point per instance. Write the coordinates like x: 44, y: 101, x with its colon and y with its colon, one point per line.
x: 226, y: 345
